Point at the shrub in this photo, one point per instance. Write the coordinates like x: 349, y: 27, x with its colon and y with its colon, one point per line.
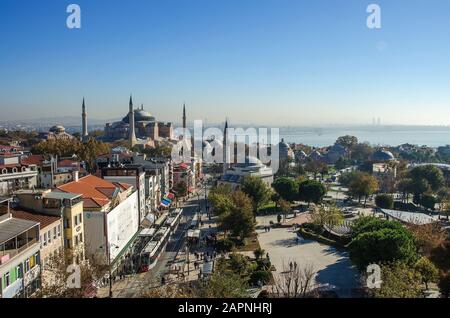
x: 225, y: 245
x: 262, y: 276
x: 384, y: 201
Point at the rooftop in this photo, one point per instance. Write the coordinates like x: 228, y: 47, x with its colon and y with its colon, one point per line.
x: 13, y: 227
x: 409, y: 217
x: 96, y: 192
x: 43, y: 219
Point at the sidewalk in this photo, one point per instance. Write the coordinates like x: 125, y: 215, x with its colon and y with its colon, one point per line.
x: 181, y: 259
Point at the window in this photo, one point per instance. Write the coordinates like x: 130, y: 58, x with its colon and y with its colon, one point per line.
x: 54, y: 233
x: 27, y: 265
x: 40, y: 240
x: 19, y: 271
x: 76, y: 240
x: 66, y: 223
x: 81, y: 238
x: 59, y: 230
x: 49, y: 235
x: 81, y: 218
x: 45, y: 239
x: 7, y: 281
x: 68, y: 243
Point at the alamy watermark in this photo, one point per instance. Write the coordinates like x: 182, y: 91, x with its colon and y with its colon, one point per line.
x: 238, y: 145
x: 374, y: 19
x: 74, y: 19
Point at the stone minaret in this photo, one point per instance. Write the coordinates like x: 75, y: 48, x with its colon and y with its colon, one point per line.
x: 132, y: 135
x: 225, y: 149
x: 184, y: 119
x: 84, y: 133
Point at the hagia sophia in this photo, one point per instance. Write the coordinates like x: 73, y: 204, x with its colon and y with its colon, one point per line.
x: 145, y: 126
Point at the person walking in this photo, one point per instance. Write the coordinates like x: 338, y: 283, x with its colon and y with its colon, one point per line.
x: 290, y: 266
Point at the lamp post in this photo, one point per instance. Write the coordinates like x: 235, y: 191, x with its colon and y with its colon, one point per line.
x: 108, y: 252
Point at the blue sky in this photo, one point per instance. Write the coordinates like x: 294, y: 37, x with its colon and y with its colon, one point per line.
x: 278, y: 62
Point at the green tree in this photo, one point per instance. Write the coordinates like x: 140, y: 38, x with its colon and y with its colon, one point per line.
x: 428, y: 272
x: 428, y: 201
x: 432, y: 174
x: 239, y: 220
x: 311, y: 191
x: 257, y: 190
x: 384, y: 201
x: 381, y: 242
x: 347, y: 141
x: 287, y: 188
x: 398, y: 281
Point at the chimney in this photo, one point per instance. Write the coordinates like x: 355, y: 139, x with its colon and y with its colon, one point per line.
x: 75, y: 175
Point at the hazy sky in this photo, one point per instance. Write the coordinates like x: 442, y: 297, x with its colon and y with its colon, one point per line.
x: 254, y: 61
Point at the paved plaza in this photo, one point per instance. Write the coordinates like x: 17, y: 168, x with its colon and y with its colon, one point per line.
x: 333, y: 267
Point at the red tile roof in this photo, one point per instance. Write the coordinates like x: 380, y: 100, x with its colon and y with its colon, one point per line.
x: 33, y: 160
x: 44, y: 219
x: 96, y: 192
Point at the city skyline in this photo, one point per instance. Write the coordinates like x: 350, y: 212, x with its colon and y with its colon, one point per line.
x: 280, y: 63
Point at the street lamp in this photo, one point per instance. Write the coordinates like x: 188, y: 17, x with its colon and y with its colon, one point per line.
x: 109, y: 266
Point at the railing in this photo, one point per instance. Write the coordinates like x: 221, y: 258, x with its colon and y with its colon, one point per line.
x: 14, y: 252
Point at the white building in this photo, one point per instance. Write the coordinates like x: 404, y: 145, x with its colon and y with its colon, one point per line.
x: 251, y: 167
x: 111, y: 216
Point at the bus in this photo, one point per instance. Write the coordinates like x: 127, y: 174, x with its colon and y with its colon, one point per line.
x: 153, y: 250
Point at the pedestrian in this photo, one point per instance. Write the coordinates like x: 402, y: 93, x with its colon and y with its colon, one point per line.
x: 290, y: 266
x: 295, y: 265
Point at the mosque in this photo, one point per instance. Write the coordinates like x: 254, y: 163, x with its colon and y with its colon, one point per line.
x: 145, y: 127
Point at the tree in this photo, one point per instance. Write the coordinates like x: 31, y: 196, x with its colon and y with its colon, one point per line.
x: 428, y: 272
x: 361, y: 152
x: 287, y: 188
x: 347, y: 141
x: 58, y: 274
x: 239, y: 220
x: 224, y: 285
x: 381, y: 241
x: 428, y: 237
x: 295, y: 282
x: 327, y: 215
x: 259, y: 253
x: 257, y: 190
x: 181, y: 189
x: 398, y: 281
x: 311, y: 191
x: 285, y: 207
x: 363, y: 186
x: 428, y: 201
x: 384, y: 201
x: 432, y: 174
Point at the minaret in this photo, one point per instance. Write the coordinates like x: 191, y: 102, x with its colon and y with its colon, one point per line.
x: 132, y: 135
x: 84, y: 133
x: 225, y: 149
x: 184, y: 117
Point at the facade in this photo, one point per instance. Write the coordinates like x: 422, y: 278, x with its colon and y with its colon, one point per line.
x: 252, y: 167
x: 19, y: 255
x: 14, y: 175
x: 51, y: 234
x: 165, y: 171
x: 145, y: 127
x: 66, y: 206
x: 110, y: 214
x: 134, y: 175
x: 54, y: 173
x: 56, y: 133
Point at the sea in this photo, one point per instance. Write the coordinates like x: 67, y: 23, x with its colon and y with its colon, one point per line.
x: 432, y: 136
